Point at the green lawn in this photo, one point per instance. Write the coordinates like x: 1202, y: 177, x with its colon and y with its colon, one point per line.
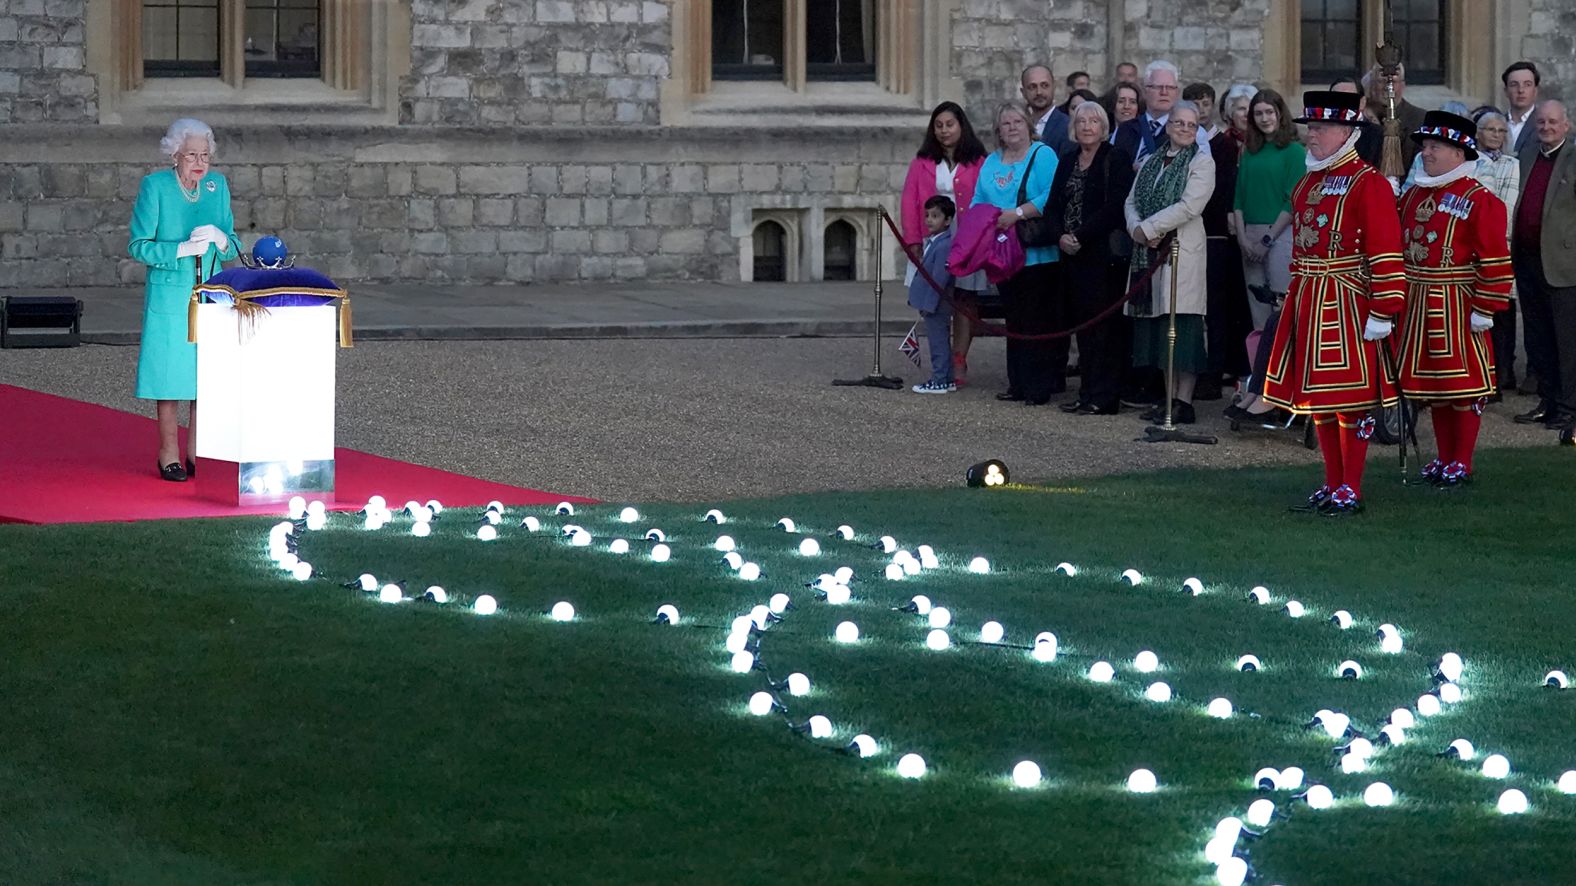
x: 177, y: 710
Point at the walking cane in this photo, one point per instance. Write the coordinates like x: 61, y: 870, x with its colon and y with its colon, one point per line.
x: 875, y: 379
x: 1168, y: 432
x: 1408, y: 429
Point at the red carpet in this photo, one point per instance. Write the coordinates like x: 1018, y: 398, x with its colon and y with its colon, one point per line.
x: 65, y: 461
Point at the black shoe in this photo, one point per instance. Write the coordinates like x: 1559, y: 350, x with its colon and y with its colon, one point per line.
x: 1235, y: 413
x: 1036, y: 401
x: 1206, y: 391
x: 1091, y: 409
x: 173, y: 472
x: 1536, y: 414
x: 1557, y: 419
x: 1452, y: 476
x: 1072, y: 407
x: 1343, y: 503
x: 1315, y: 502
x: 1182, y: 413
x: 1153, y: 414
x: 1009, y: 396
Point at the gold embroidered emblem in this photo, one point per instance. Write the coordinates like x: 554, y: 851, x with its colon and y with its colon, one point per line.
x: 1426, y: 209
x: 1308, y: 216
x: 1417, y: 253
x: 1315, y: 195
x: 1307, y: 236
x: 1447, y: 256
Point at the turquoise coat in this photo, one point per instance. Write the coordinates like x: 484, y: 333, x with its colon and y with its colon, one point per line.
x: 162, y: 219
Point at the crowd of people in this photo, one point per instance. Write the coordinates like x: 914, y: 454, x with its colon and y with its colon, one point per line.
x: 1159, y: 178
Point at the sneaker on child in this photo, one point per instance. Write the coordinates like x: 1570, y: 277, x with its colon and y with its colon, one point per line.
x: 932, y: 387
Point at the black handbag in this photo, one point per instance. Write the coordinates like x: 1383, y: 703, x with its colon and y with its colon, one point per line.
x: 1031, y: 231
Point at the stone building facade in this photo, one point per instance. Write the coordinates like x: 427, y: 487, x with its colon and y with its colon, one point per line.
x: 589, y: 140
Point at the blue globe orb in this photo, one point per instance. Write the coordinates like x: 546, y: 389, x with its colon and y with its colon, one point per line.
x: 270, y: 252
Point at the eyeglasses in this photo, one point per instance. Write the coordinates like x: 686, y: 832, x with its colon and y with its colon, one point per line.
x: 1183, y: 125
x: 193, y: 156
x: 1161, y: 87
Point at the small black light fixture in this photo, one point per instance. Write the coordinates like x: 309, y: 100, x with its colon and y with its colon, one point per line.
x: 990, y: 473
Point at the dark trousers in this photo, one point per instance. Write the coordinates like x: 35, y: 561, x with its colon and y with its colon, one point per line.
x: 1092, y: 286
x: 1261, y: 359
x: 1504, y: 337
x: 1036, y: 368
x: 1549, y: 321
x: 1227, y: 317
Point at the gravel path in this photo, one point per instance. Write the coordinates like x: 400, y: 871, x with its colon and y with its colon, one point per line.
x: 643, y: 420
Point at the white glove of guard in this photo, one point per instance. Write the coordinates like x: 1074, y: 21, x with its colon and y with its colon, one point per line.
x: 213, y: 235
x: 195, y: 246
x: 1395, y: 184
x: 1376, y: 329
x: 1481, y: 323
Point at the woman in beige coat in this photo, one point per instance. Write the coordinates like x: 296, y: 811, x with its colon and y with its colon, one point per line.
x: 1169, y: 195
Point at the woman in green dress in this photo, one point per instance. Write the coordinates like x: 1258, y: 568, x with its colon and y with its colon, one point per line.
x: 181, y: 228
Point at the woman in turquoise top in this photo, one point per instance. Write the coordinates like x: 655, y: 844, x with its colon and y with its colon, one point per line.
x: 1271, y: 165
x: 1036, y: 370
x: 181, y: 228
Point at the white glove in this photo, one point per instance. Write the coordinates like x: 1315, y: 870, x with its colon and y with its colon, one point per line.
x: 195, y: 246
x: 1395, y: 184
x: 1481, y: 323
x: 213, y: 235
x: 1376, y: 329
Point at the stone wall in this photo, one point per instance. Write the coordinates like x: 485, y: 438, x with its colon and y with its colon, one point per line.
x: 994, y: 40
x: 534, y: 62
x: 478, y: 206
x: 1215, y: 41
x: 43, y: 63
x: 1551, y: 43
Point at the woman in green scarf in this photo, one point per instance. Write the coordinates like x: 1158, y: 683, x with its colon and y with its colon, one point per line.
x: 1169, y: 195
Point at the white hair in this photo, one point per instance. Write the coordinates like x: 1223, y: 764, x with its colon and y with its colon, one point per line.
x: 1097, y: 111
x: 180, y: 131
x: 1189, y: 106
x: 1161, y: 65
x: 1244, y: 91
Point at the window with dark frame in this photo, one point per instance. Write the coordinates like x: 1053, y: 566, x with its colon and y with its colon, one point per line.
x: 1420, y: 32
x: 180, y: 38
x: 771, y: 261
x: 839, y: 251
x: 747, y: 39
x: 1332, y: 40
x: 840, y: 39
x: 283, y: 38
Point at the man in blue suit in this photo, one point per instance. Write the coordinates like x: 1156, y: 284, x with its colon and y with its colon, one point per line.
x: 1521, y: 81
x: 1039, y: 94
x: 1141, y: 135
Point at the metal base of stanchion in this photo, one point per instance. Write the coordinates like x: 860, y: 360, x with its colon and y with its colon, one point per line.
x: 1161, y: 434
x: 871, y: 381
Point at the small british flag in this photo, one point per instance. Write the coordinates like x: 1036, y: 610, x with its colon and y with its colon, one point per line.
x: 910, y: 345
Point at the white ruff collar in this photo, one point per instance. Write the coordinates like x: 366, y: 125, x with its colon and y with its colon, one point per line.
x: 1424, y: 180
x: 1336, y: 158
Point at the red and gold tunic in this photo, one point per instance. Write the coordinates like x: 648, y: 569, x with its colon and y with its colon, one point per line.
x: 1456, y: 265
x: 1346, y: 266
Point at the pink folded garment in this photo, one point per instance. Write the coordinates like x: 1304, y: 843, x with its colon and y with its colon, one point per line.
x: 978, y: 246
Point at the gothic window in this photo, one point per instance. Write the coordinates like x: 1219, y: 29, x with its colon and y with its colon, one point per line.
x: 282, y: 38
x: 180, y: 38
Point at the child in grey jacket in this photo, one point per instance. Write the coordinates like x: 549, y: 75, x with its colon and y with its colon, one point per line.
x: 934, y: 306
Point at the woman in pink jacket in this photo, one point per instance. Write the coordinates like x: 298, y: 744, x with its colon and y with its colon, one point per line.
x: 948, y: 163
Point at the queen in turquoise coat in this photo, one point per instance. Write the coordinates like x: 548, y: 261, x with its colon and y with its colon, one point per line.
x: 181, y: 228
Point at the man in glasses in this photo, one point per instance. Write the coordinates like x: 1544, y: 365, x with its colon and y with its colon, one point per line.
x: 1141, y: 135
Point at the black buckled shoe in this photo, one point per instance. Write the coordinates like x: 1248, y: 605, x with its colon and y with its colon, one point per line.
x: 1536, y: 415
x: 173, y: 472
x: 1009, y: 396
x: 1315, y: 503
x: 1454, y: 475
x: 1343, y: 503
x: 1432, y: 470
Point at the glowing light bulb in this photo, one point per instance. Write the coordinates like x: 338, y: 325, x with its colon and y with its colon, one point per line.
x: 1219, y: 708
x: 667, y: 613
x: 655, y: 534
x: 421, y: 530
x: 741, y: 625
x: 778, y: 604
x: 1044, y: 647
x: 761, y: 704
x: 938, y: 640
x: 733, y: 560
x: 1294, y: 609
x: 562, y: 611
x: 1259, y: 595
x: 302, y: 570
x: 820, y: 727
x: 724, y: 543
x: 564, y: 509
x: 1146, y: 662
x: 1496, y: 766
x: 316, y: 522
x: 921, y: 604
x: 390, y: 594
x: 1026, y: 774
x: 992, y: 632
x: 910, y: 567
x: 1351, y: 763
x: 1101, y: 672
x: 1248, y: 663
x: 894, y: 572
x: 837, y: 595
x: 843, y: 574
x: 845, y: 532
x: 1260, y: 812
x: 1266, y: 779
x: 847, y: 632
x: 1427, y: 706
x: 493, y: 517
x: 377, y: 503
x: 979, y: 566
x: 927, y: 557
x: 367, y: 581
x: 316, y: 507
x: 618, y: 546
x: 566, y: 530
x: 798, y: 684
x: 760, y: 615
x: 750, y: 571
x: 487, y: 532
x: 1133, y: 577
x: 628, y: 515
x: 297, y: 507
x: 1449, y: 693
x: 1319, y: 797
x: 1512, y: 802
x: 1567, y: 782
x: 1341, y: 619
x: 809, y: 548
x: 1221, y: 846
x: 888, y: 544
x: 485, y: 605
x: 661, y: 553
x: 742, y: 662
x: 737, y: 642
x: 1393, y: 734
x: 1335, y: 724
x: 1391, y: 644
x: 1231, y: 872
x: 1379, y: 794
x: 1142, y: 781
x: 581, y: 539
x: 1556, y: 679
x: 495, y: 505
x: 1450, y: 665
x: 1349, y: 670
x: 1360, y: 746
x: 1290, y: 778
x: 786, y: 524
x: 409, y: 507
x: 531, y: 524
x: 1158, y: 692
x: 1463, y: 749
x: 1067, y: 569
x: 911, y: 766
x: 1193, y: 586
x: 863, y: 745
x: 715, y: 516
x: 287, y: 561
x: 1403, y: 718
x: 940, y: 617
